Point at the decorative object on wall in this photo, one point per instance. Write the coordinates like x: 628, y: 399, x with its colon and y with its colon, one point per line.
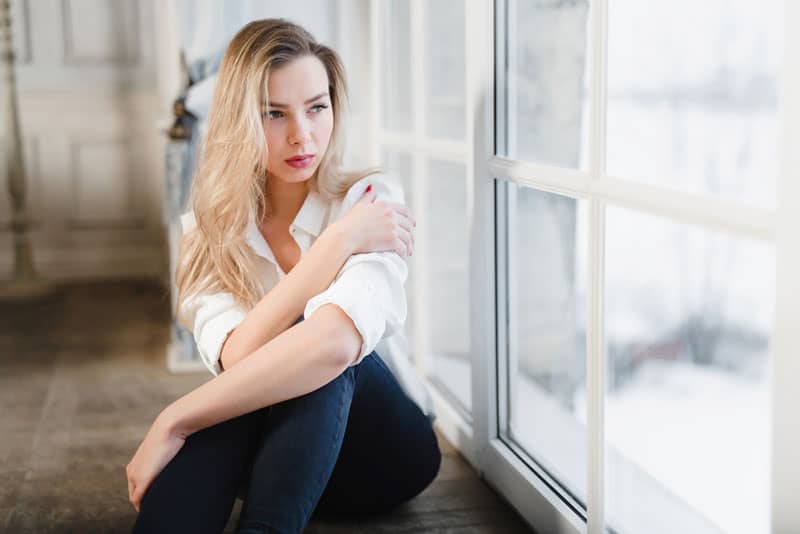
x: 24, y: 282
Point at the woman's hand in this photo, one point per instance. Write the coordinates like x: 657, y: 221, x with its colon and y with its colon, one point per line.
x: 378, y: 226
x: 159, y: 447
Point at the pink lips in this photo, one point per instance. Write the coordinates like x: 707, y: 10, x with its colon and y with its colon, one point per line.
x: 298, y: 162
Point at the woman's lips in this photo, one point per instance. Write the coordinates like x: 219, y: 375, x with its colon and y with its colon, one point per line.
x: 298, y: 162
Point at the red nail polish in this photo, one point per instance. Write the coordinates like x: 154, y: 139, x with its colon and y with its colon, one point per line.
x: 369, y: 188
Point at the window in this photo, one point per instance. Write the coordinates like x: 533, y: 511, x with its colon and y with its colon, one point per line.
x: 606, y: 285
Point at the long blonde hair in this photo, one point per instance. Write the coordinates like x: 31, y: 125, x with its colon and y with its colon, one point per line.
x: 228, y: 189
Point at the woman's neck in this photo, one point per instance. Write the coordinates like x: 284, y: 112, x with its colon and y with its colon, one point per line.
x: 285, y: 200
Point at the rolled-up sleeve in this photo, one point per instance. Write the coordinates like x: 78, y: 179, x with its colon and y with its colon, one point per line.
x: 370, y: 287
x: 210, y: 317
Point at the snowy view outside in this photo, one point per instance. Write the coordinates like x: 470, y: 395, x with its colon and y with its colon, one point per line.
x: 692, y: 106
x: 693, y: 95
x: 688, y: 339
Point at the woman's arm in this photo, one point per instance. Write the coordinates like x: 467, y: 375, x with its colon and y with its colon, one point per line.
x: 366, y: 227
x: 295, y: 362
x: 284, y: 303
x: 300, y: 360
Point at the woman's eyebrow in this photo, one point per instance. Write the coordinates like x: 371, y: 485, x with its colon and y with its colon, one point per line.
x: 310, y: 100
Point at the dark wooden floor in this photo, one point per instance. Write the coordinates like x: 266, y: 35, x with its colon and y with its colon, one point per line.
x: 82, y: 376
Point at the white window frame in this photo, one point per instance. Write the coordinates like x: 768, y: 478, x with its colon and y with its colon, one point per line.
x: 502, y: 464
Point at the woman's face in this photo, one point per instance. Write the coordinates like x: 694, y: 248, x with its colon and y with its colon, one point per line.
x: 298, y: 119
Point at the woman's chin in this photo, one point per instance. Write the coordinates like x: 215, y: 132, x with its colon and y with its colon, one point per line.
x: 295, y: 176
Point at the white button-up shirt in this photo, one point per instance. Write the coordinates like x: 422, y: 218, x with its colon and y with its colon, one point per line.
x: 368, y: 288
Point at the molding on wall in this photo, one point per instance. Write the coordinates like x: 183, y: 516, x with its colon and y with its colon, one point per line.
x: 128, y: 30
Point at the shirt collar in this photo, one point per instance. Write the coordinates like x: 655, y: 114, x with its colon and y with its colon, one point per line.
x: 311, y: 214
x: 310, y: 219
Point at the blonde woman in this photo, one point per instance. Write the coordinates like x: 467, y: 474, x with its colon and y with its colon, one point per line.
x: 290, y: 272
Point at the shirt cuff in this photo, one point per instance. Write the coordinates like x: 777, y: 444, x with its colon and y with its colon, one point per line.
x: 210, y: 340
x: 352, y: 302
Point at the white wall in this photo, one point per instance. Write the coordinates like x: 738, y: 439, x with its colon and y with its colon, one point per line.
x: 88, y: 106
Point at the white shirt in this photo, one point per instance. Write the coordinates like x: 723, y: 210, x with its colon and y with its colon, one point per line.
x: 368, y: 288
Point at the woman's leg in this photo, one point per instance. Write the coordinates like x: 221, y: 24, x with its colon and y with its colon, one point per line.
x: 301, y: 441
x: 389, y: 453
x: 196, y: 490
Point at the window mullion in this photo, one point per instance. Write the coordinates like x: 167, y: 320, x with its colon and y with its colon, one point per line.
x: 422, y: 345
x: 595, y: 346
x: 785, y: 469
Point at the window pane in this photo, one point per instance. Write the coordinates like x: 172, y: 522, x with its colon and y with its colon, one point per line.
x: 395, y: 88
x: 547, y: 107
x: 547, y: 332
x: 693, y: 100
x: 445, y: 83
x: 688, y: 322
x: 398, y: 166
x: 446, y: 261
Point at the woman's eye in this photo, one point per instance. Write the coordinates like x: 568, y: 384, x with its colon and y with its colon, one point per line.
x: 317, y: 108
x: 273, y: 114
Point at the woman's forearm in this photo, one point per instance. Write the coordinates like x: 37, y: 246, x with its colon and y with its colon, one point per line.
x: 284, y: 303
x: 300, y: 360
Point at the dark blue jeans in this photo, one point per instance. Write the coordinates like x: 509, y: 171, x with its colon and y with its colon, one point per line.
x: 356, y: 446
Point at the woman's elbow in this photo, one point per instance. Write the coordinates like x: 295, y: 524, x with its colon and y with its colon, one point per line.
x: 339, y: 336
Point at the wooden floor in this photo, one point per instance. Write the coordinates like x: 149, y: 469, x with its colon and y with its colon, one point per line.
x: 82, y: 376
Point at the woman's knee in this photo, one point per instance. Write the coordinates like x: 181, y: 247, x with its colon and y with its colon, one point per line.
x: 336, y: 393
x: 425, y: 468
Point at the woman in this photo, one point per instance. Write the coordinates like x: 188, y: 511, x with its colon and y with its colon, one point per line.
x: 288, y: 275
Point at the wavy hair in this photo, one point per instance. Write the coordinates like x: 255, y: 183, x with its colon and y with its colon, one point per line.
x: 228, y: 189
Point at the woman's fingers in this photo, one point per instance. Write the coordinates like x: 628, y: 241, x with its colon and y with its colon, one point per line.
x: 405, y: 222
x: 404, y: 211
x: 367, y: 197
x: 404, y: 243
x: 133, y: 495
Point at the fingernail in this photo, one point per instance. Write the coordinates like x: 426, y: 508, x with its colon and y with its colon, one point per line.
x: 369, y: 188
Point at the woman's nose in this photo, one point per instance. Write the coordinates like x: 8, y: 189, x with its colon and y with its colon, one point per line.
x: 300, y: 132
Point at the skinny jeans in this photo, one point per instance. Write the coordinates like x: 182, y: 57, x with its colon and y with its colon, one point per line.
x: 354, y: 447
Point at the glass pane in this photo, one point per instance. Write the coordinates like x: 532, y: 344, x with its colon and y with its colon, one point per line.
x: 398, y: 166
x: 547, y: 118
x: 693, y: 100
x: 688, y: 324
x: 395, y: 88
x: 445, y: 83
x: 446, y: 260
x: 547, y: 332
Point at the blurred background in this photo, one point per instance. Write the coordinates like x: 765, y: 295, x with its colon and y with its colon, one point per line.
x: 112, y: 99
